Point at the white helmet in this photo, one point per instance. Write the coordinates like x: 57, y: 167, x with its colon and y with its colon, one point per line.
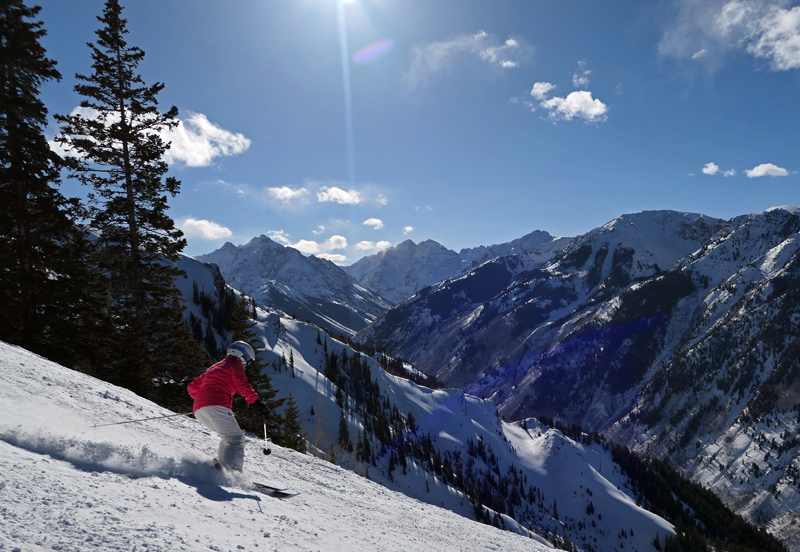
x: 243, y: 351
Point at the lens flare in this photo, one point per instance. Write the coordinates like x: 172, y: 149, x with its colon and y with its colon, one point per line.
x: 373, y: 51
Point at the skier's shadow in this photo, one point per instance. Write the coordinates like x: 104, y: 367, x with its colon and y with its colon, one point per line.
x: 217, y: 493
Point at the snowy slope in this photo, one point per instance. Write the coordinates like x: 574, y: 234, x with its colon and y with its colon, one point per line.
x: 570, y: 472
x: 67, y: 485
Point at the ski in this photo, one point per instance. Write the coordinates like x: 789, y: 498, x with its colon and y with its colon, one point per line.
x: 274, y: 491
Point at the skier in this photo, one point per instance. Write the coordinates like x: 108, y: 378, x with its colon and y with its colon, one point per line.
x: 213, y: 393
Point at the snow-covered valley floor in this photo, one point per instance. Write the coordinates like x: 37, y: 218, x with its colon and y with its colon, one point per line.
x: 149, y: 486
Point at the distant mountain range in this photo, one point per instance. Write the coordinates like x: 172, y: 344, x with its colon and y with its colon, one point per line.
x: 345, y: 300
x: 309, y: 288
x: 399, y: 272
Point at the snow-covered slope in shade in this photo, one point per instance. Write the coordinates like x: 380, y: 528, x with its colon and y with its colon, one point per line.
x: 308, y: 287
x: 67, y: 485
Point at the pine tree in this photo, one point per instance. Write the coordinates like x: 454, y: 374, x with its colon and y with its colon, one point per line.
x: 293, y: 436
x: 48, y: 302
x: 120, y: 155
x: 242, y: 329
x: 344, y: 433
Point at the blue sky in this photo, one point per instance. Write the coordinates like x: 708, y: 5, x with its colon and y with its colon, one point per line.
x: 344, y: 127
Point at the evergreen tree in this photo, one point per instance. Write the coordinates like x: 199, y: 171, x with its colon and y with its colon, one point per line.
x: 344, y: 433
x: 120, y: 155
x: 48, y: 299
x: 242, y: 330
x: 293, y: 436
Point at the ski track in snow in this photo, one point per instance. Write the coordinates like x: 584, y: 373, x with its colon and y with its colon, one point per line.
x: 66, y: 485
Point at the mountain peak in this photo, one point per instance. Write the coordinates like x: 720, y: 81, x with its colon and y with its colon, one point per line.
x: 790, y: 208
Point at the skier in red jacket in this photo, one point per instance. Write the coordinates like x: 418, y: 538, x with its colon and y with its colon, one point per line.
x: 213, y: 393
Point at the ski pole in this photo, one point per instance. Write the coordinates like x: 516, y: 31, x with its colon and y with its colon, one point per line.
x: 145, y: 419
x: 267, y: 451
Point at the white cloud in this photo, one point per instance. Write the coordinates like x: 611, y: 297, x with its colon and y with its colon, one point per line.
x: 335, y: 242
x: 369, y: 246
x: 423, y: 208
x: 204, y: 229
x: 61, y: 149
x: 320, y: 229
x: 439, y: 58
x: 337, y: 195
x: 777, y: 38
x: 712, y: 169
x: 708, y: 29
x: 767, y: 169
x: 408, y: 229
x: 307, y: 246
x: 579, y: 104
x: 289, y: 196
x: 333, y: 257
x: 196, y: 141
x: 382, y: 201
x: 580, y: 79
x: 279, y: 236
x: 311, y: 247
x: 540, y: 90
x: 377, y: 224
x: 240, y: 190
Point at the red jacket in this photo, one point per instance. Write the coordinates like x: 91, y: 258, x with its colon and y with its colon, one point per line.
x: 217, y: 385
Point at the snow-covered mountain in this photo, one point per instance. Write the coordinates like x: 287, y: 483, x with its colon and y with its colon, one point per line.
x: 457, y: 328
x: 399, y: 272
x: 675, y: 334
x: 307, y: 287
x: 537, y: 241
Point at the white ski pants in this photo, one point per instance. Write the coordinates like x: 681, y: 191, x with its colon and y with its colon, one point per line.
x: 220, y: 420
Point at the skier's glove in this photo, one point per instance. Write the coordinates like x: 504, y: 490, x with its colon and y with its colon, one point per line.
x: 261, y: 408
